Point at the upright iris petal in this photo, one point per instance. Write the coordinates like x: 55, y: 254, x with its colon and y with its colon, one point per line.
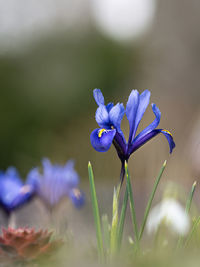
x: 131, y: 111
x: 98, y: 96
x: 56, y: 182
x: 102, y: 116
x: 13, y: 192
x: 109, y: 118
x: 153, y: 125
x: 116, y: 115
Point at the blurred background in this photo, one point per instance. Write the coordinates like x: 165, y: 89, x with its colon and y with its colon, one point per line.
x: 54, y: 53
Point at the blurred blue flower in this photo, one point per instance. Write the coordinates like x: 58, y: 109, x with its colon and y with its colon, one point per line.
x: 13, y: 192
x: 109, y: 118
x: 56, y: 182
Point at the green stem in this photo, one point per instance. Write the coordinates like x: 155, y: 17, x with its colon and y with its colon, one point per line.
x: 132, y: 206
x: 96, y: 213
x: 148, y: 207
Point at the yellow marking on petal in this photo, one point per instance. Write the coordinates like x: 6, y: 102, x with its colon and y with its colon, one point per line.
x: 166, y: 131
x: 101, y: 132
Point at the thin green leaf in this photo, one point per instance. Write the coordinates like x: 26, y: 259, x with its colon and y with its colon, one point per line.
x: 187, y: 210
x: 190, y: 197
x: 114, y: 232
x: 148, y: 207
x: 96, y: 213
x: 132, y: 206
x: 106, y: 231
x: 122, y: 218
x: 194, y: 228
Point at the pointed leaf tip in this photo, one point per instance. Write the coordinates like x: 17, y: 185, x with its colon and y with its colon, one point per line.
x: 165, y: 163
x: 195, y: 183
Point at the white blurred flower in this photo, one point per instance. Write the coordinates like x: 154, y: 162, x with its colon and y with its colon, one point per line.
x: 170, y: 213
x: 123, y: 19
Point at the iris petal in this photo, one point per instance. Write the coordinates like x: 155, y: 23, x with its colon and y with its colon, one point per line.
x: 131, y: 111
x: 98, y: 96
x: 77, y: 197
x: 116, y: 114
x: 34, y: 178
x: 151, y: 126
x: 102, y: 116
x: 169, y: 137
x: 143, y: 104
x: 109, y: 106
x: 13, y: 193
x: 145, y: 138
x: 101, y: 139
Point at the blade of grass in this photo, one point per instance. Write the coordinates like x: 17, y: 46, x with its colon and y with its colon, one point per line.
x: 148, y: 207
x: 114, y: 227
x: 195, y: 225
x: 122, y: 218
x: 187, y: 210
x: 96, y: 213
x: 132, y: 206
x: 106, y: 231
x: 190, y: 197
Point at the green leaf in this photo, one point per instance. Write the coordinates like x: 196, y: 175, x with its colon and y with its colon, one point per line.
x: 106, y: 231
x: 114, y: 227
x: 132, y: 206
x: 148, y: 207
x: 96, y: 213
x: 122, y: 218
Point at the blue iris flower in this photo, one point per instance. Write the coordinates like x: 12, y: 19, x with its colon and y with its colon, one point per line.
x: 13, y: 192
x: 109, y: 119
x: 56, y: 182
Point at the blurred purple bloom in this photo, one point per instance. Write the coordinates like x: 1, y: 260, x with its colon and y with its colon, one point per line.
x: 56, y: 182
x: 13, y: 192
x: 109, y: 118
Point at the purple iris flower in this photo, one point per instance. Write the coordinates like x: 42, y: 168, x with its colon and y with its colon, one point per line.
x: 56, y: 182
x: 109, y: 119
x: 13, y: 192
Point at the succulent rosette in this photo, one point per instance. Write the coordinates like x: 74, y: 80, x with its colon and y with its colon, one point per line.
x: 25, y: 245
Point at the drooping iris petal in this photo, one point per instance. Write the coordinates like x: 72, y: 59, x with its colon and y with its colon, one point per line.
x: 24, y: 194
x: 145, y: 138
x: 98, y: 96
x: 169, y: 137
x: 116, y: 114
x: 101, y: 139
x: 131, y: 111
x: 143, y: 104
x: 102, y: 116
x: 77, y: 197
x: 13, y: 193
x: 151, y: 126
